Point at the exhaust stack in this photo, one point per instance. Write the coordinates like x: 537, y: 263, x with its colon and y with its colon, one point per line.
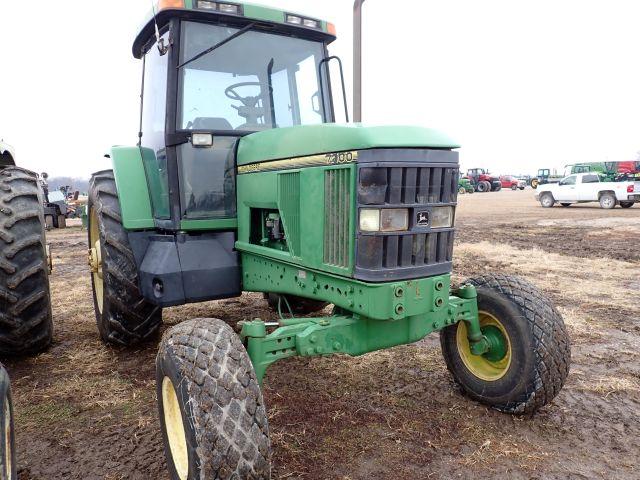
x: 357, y: 60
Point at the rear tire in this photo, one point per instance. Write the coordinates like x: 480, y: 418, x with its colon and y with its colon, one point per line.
x: 124, y: 317
x: 462, y: 190
x: 8, y: 470
x: 497, y: 188
x: 482, y: 187
x: 626, y: 204
x: 546, y: 200
x: 534, y: 183
x: 514, y: 187
x: 212, y: 414
x: 537, y: 360
x: 607, y: 201
x: 26, y: 325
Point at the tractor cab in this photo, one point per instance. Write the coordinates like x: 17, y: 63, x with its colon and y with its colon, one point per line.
x: 214, y: 73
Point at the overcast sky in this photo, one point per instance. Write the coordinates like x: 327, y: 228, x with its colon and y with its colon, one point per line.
x: 519, y: 84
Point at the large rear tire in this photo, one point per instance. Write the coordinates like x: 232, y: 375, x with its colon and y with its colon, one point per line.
x: 26, y: 325
x: 124, y: 317
x: 535, y: 362
x: 483, y: 187
x: 626, y: 204
x: 212, y: 414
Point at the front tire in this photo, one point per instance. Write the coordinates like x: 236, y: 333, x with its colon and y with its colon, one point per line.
x: 514, y: 187
x: 26, y: 324
x: 607, y: 201
x: 124, y: 317
x: 546, y: 200
x: 483, y: 187
x: 212, y: 414
x: 536, y: 361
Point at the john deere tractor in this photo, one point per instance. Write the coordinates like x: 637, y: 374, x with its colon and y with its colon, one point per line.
x: 242, y: 182
x: 25, y: 306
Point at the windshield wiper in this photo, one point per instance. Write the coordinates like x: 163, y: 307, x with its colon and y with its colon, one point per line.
x: 217, y: 45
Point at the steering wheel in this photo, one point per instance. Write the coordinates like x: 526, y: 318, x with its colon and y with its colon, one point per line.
x: 249, y: 101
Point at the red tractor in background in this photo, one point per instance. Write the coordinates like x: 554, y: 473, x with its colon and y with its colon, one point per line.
x: 483, y: 181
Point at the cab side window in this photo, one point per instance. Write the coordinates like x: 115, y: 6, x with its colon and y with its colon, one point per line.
x: 590, y: 179
x: 569, y: 180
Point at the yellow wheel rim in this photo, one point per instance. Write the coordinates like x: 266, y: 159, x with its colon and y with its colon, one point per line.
x: 478, y: 365
x: 95, y: 258
x: 175, y: 429
x: 8, y: 453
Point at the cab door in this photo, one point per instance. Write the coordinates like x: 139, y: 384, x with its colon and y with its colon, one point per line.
x: 586, y: 190
x: 566, y: 190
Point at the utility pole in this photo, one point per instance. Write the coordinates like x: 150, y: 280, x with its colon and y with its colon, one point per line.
x: 357, y: 60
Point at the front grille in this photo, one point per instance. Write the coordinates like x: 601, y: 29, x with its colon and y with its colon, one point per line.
x: 421, y: 250
x: 337, y: 197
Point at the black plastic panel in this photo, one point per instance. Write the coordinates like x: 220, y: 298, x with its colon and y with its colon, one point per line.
x: 179, y: 269
x: 417, y: 180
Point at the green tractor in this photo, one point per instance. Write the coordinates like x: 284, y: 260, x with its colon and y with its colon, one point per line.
x: 465, y: 186
x: 242, y: 182
x: 26, y: 325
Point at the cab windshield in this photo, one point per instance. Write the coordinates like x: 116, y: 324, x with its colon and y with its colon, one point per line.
x: 256, y: 81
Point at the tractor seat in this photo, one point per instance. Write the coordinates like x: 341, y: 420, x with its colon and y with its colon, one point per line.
x: 210, y: 123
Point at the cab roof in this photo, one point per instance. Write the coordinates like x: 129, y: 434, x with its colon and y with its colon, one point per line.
x: 210, y: 11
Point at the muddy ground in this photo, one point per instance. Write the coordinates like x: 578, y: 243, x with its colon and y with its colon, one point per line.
x: 87, y: 411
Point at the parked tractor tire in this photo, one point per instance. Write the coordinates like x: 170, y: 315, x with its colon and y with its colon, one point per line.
x: 483, y: 187
x: 496, y: 188
x: 537, y: 351
x: 547, y: 200
x: 212, y: 414
x: 608, y: 201
x: 8, y: 470
x: 462, y: 190
x: 534, y: 183
x: 124, y: 317
x: 299, y: 305
x: 26, y: 325
x: 626, y: 204
x: 565, y: 204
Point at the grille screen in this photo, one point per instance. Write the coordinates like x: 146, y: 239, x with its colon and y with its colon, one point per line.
x: 421, y: 250
x: 337, y: 199
x: 289, y: 201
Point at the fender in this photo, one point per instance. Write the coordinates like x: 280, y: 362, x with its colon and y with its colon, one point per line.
x: 131, y: 181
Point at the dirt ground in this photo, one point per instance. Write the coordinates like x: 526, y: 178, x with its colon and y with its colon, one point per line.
x: 87, y: 411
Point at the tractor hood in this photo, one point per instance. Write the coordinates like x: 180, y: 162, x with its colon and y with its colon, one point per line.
x: 302, y: 141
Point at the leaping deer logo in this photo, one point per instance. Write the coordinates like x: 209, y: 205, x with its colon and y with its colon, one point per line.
x: 423, y: 218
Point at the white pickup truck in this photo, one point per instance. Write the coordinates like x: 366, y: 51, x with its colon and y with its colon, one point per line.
x: 589, y: 187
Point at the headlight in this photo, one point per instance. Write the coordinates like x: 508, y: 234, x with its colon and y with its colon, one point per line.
x: 384, y: 220
x: 442, y: 217
x: 370, y: 220
x: 394, y: 220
